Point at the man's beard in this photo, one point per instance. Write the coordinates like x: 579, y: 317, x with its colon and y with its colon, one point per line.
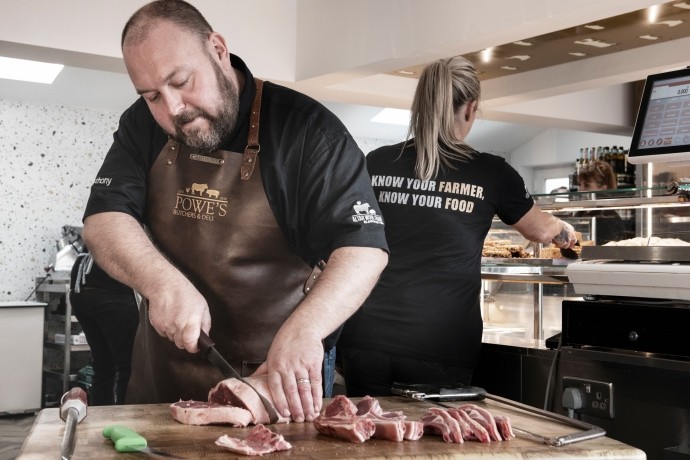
x: 220, y: 126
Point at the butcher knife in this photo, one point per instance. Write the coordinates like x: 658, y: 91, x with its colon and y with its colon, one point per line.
x: 72, y: 411
x: 127, y: 440
x: 207, y: 347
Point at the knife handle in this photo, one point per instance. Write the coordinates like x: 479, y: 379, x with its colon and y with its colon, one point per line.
x: 125, y: 439
x: 205, y: 342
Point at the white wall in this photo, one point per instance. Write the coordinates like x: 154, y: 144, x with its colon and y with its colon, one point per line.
x: 50, y: 156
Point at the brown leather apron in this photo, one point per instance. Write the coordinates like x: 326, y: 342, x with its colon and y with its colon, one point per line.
x: 210, y: 216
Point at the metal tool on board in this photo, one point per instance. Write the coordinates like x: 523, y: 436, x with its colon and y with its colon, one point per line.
x: 72, y: 411
x: 208, y: 349
x: 437, y: 394
x: 127, y: 440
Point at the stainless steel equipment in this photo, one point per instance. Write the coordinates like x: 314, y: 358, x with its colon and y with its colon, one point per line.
x: 69, y: 246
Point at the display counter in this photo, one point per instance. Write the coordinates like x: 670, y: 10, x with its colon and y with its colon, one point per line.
x: 521, y: 299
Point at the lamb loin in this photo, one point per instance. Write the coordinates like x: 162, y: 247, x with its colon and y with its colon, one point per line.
x: 233, y: 392
x: 260, y: 440
x: 205, y: 413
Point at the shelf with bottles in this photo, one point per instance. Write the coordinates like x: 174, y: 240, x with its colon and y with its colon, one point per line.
x: 615, y: 156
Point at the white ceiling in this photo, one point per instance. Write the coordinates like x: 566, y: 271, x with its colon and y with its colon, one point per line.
x: 341, y: 51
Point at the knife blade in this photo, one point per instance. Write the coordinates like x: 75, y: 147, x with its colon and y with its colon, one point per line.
x: 72, y: 411
x: 207, y: 347
x: 127, y: 440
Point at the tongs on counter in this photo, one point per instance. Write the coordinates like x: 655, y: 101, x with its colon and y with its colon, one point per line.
x: 437, y: 394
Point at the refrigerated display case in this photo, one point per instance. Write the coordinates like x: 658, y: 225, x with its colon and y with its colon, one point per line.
x: 522, y: 298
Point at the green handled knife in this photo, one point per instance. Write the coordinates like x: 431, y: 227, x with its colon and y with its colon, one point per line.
x: 127, y: 440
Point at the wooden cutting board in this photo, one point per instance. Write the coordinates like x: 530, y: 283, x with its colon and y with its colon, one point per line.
x: 154, y: 422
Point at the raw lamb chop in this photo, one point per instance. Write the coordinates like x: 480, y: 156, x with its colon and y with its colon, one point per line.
x: 340, y: 420
x: 484, y: 418
x: 260, y: 440
x: 439, y: 421
x: 504, y: 427
x: 389, y: 425
x: 474, y: 424
x: 204, y: 413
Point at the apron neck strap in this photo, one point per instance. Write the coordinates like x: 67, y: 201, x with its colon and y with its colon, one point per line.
x: 253, y: 147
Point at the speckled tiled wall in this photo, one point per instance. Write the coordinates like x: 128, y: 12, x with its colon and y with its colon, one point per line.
x: 50, y: 155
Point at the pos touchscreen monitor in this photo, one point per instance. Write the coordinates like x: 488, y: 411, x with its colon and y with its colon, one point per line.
x: 662, y: 128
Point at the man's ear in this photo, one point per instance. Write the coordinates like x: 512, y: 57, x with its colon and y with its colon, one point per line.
x: 218, y: 46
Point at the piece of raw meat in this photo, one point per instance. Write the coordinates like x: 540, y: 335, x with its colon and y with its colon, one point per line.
x: 439, y: 421
x: 205, y: 413
x: 414, y: 430
x: 233, y: 392
x: 503, y: 423
x: 389, y: 425
x: 484, y: 418
x: 339, y: 419
x: 260, y: 440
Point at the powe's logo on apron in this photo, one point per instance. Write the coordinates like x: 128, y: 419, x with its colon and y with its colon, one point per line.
x: 200, y: 202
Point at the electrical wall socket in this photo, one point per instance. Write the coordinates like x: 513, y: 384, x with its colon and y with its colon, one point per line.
x: 597, y: 397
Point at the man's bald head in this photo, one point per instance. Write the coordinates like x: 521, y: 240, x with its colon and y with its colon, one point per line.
x: 178, y: 12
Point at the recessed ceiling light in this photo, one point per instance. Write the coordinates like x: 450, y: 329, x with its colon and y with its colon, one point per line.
x: 652, y: 13
x: 522, y: 57
x: 594, y: 43
x: 522, y: 43
x: 671, y: 23
x: 507, y: 67
x: 405, y: 72
x: 393, y: 117
x: 648, y: 37
x: 486, y: 54
x: 577, y: 53
x: 32, y: 71
x: 595, y: 27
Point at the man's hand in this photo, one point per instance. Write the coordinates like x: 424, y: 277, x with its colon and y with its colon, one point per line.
x: 294, y: 375
x: 179, y: 313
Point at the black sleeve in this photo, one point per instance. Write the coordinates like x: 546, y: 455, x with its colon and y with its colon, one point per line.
x: 121, y: 182
x: 514, y: 201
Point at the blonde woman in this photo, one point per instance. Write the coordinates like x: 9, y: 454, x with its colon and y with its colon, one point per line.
x: 438, y: 196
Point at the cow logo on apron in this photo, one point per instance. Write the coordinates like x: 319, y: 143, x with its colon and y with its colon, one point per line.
x: 200, y: 202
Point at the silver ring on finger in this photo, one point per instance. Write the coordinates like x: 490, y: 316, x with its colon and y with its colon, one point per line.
x: 307, y: 381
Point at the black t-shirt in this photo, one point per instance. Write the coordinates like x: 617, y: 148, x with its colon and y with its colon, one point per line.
x: 313, y: 172
x: 426, y: 304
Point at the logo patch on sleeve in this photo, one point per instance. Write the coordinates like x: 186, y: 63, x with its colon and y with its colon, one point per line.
x: 364, y: 214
